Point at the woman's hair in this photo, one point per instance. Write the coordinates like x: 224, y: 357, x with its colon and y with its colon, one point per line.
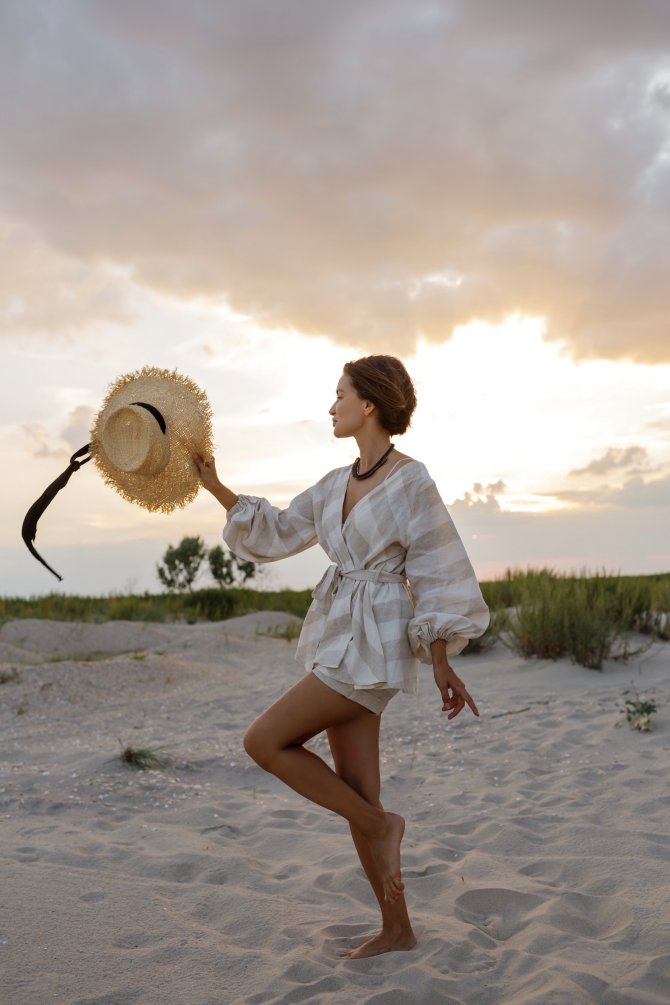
x: 384, y: 381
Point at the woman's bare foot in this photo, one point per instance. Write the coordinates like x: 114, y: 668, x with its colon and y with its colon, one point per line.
x: 386, y: 853
x: 387, y: 941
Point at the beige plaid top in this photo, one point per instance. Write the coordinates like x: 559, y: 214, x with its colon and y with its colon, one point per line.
x: 362, y: 619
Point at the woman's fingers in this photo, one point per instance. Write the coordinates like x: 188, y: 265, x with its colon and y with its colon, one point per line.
x: 456, y: 705
x: 471, y: 704
x: 456, y: 700
x: 453, y: 691
x: 207, y: 469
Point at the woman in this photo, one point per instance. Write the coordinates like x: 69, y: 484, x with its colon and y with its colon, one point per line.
x: 400, y: 589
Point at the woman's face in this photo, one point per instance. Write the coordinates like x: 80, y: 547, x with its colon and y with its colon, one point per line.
x: 348, y: 410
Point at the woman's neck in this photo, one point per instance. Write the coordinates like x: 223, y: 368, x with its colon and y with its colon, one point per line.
x: 371, y: 448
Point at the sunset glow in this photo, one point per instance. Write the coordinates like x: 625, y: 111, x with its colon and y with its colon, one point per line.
x: 359, y: 187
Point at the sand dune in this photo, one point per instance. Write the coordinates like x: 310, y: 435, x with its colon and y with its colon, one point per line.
x: 536, y: 857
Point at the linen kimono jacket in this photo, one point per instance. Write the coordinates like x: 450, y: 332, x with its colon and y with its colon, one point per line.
x: 364, y: 622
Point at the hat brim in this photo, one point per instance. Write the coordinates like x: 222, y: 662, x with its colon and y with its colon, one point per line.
x: 188, y: 418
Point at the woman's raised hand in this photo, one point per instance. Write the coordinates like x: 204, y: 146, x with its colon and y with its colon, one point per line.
x: 210, y: 481
x: 207, y: 469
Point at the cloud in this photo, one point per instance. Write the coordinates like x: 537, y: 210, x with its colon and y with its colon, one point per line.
x: 613, y: 458
x: 483, y: 495
x: 77, y: 430
x: 75, y: 433
x: 635, y: 493
x: 44, y: 290
x: 571, y: 539
x: 371, y: 171
x: 660, y: 424
x: 40, y: 440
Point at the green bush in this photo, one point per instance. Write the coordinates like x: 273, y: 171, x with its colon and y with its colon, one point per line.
x: 587, y: 618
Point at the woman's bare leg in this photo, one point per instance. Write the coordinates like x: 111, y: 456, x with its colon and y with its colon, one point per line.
x: 275, y: 741
x: 355, y: 749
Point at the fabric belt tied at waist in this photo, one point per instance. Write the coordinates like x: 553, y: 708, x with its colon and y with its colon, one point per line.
x: 333, y: 574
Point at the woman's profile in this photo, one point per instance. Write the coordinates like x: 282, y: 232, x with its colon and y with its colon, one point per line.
x: 400, y: 591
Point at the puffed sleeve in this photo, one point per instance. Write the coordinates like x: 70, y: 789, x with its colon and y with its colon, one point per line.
x: 259, y: 532
x: 448, y: 603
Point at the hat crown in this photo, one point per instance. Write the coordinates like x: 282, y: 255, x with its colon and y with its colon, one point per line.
x: 134, y: 441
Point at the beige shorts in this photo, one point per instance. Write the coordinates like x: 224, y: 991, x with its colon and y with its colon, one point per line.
x: 375, y: 699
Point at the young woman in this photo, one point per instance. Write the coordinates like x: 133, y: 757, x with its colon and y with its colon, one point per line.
x: 400, y: 590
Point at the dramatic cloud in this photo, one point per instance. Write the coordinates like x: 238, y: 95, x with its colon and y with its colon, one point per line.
x: 615, y: 457
x: 369, y: 170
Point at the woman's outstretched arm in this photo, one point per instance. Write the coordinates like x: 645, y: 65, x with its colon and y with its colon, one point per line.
x: 255, y: 530
x: 210, y: 481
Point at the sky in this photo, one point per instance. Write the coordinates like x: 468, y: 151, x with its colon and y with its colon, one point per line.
x: 256, y: 191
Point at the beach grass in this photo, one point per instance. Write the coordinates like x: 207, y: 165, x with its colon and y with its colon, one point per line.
x: 213, y: 604
x: 143, y: 758
x: 289, y: 631
x: 586, y: 617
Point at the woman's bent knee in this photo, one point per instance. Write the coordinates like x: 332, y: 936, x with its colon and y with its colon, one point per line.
x: 258, y: 747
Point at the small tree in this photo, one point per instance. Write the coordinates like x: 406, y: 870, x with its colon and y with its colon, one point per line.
x: 182, y: 564
x: 227, y: 568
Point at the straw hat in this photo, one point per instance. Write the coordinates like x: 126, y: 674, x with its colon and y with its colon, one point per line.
x: 150, y: 424
x: 142, y: 441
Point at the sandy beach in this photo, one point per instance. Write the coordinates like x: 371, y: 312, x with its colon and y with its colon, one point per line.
x: 536, y: 857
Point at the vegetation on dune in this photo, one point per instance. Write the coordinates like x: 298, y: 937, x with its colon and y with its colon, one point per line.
x: 638, y: 713
x: 143, y: 758
x: 212, y: 604
x: 586, y: 618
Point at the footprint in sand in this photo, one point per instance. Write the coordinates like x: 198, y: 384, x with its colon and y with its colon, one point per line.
x: 26, y: 853
x: 499, y: 913
x: 136, y: 940
x: 559, y: 872
x: 460, y: 958
x: 588, y: 917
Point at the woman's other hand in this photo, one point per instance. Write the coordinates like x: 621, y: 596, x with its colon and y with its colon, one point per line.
x: 454, y: 693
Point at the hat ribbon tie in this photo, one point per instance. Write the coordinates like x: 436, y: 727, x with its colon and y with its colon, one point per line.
x: 29, y: 528
x: 154, y: 411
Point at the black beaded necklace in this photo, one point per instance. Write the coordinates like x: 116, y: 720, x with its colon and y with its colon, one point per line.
x: 355, y: 470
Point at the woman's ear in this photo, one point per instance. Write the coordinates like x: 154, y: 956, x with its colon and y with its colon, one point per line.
x: 368, y: 407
